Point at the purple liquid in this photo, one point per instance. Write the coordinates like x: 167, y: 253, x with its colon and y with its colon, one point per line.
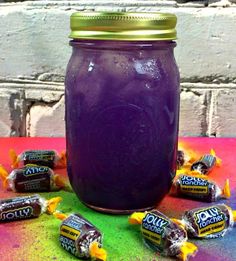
x: 122, y: 107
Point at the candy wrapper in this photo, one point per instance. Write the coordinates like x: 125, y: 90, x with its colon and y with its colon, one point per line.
x: 80, y: 237
x: 49, y: 158
x: 185, y: 158
x: 163, y: 235
x: 26, y: 207
x: 198, y: 187
x: 206, y: 163
x: 208, y: 222
x: 32, y: 178
x: 180, y: 159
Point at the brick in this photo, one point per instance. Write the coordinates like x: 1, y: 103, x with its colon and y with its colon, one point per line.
x: 224, y: 111
x: 36, y: 51
x: 41, y: 31
x: 46, y: 119
x: 220, y: 3
x: 193, y: 112
x: 35, y: 41
x: 35, y: 90
x: 12, y: 112
x: 206, y: 46
x: 44, y: 94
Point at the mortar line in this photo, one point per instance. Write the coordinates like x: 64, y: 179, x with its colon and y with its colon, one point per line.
x: 210, y: 113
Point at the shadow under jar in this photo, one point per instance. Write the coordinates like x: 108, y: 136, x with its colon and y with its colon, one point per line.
x: 122, y: 109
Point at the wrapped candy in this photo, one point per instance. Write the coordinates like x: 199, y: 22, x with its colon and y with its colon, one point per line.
x: 26, y: 207
x: 185, y: 158
x: 206, y: 163
x: 180, y: 158
x: 198, y: 187
x: 163, y: 235
x: 49, y: 158
x: 80, y: 237
x: 31, y: 178
x: 208, y: 222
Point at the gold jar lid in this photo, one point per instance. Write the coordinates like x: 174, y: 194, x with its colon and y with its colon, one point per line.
x: 123, y: 26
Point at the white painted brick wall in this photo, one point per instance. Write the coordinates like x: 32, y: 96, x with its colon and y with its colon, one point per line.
x: 224, y: 114
x: 193, y: 112
x: 34, y: 52
x: 46, y: 120
x: 206, y: 44
x: 11, y: 112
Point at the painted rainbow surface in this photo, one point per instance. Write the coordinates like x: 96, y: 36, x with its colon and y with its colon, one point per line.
x: 37, y: 239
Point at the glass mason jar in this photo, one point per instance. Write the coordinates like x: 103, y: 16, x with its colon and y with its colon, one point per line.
x: 122, y: 109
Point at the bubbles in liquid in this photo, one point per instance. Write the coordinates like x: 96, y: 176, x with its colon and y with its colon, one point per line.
x: 117, y: 66
x: 147, y: 68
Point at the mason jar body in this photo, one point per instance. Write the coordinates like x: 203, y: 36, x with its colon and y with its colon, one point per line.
x: 122, y: 110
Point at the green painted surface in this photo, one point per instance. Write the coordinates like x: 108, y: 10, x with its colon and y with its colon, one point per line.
x: 121, y: 240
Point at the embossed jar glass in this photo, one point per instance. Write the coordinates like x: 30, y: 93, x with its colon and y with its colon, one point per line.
x: 122, y: 109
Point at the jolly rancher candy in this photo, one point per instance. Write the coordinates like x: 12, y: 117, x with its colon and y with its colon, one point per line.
x: 198, y: 187
x: 81, y: 238
x: 163, y: 235
x: 184, y: 158
x: 208, y: 222
x: 26, y: 207
x: 49, y: 158
x: 206, y: 163
x: 180, y: 158
x: 31, y: 178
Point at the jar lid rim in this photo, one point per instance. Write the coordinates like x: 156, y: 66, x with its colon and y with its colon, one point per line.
x: 123, y: 26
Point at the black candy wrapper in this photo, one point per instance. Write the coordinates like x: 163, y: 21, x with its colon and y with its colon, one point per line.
x: 163, y: 235
x: 25, y: 207
x: 199, y: 187
x: 49, y: 158
x: 209, y: 222
x: 80, y: 237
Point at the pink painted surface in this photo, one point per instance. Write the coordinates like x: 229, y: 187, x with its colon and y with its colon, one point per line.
x: 37, y: 239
